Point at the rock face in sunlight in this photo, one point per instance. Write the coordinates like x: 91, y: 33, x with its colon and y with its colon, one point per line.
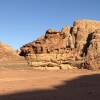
x: 8, y: 54
x: 78, y: 43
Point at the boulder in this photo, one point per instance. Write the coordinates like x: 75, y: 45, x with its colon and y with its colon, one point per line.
x: 65, y: 66
x: 91, y: 64
x: 52, y: 68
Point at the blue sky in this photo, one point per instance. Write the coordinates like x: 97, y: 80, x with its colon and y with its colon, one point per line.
x: 22, y: 21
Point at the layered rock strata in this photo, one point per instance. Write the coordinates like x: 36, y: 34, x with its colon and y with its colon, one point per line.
x: 82, y: 41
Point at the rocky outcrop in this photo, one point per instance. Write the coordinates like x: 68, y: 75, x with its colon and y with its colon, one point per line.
x: 90, y: 64
x: 82, y: 31
x: 8, y: 54
x: 82, y: 41
x: 93, y: 52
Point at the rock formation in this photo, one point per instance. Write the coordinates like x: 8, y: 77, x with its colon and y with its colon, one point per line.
x: 8, y: 54
x: 93, y: 51
x: 82, y: 41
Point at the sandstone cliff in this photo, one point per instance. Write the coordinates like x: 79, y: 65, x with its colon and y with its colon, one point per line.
x: 82, y: 41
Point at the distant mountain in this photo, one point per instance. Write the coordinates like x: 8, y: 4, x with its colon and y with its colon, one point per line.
x: 8, y: 54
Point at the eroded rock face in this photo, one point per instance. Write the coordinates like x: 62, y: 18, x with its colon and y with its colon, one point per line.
x: 82, y: 30
x: 71, y: 43
x: 93, y: 51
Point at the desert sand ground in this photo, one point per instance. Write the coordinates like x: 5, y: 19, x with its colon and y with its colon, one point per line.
x: 49, y: 85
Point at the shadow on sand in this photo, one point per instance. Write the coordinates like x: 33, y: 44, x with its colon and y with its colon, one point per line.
x: 83, y: 88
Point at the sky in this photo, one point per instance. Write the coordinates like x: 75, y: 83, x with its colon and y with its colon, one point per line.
x: 23, y: 21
